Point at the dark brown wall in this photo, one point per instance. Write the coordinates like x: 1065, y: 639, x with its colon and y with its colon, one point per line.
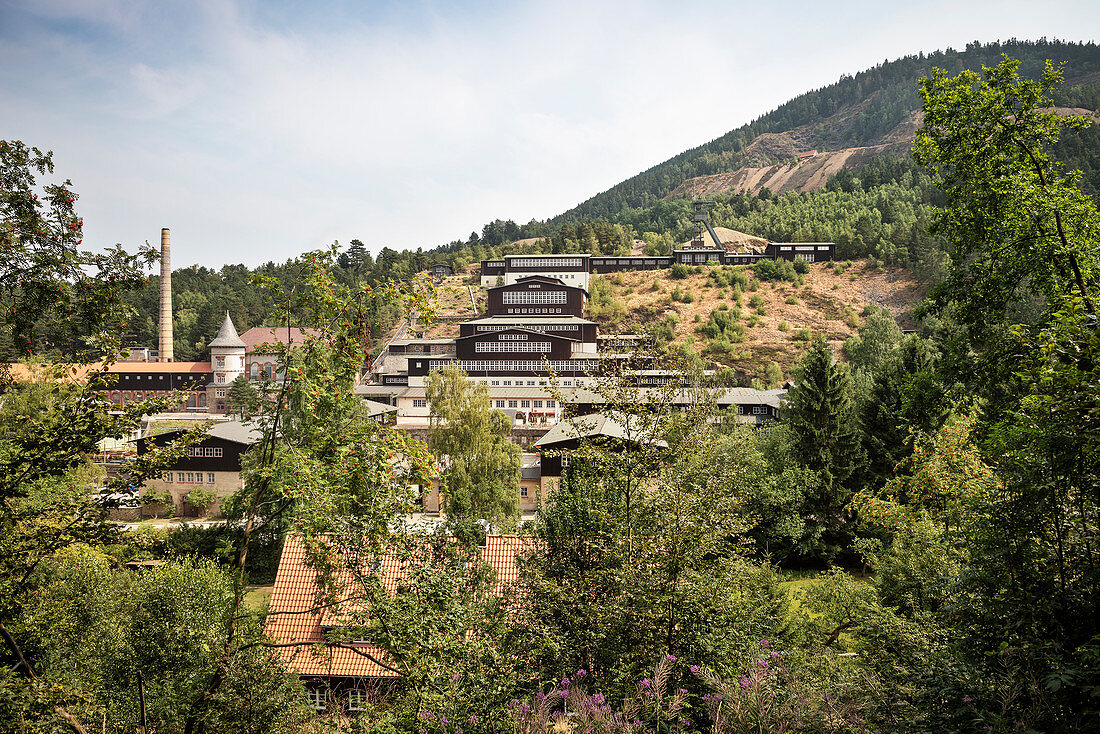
x: 560, y: 348
x: 230, y: 460
x: 573, y: 297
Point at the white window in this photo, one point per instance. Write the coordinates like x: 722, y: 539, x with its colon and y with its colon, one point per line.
x: 168, y: 477
x: 420, y: 403
x: 523, y: 491
x: 759, y: 410
x: 217, y: 452
x: 357, y: 700
x: 525, y: 403
x: 538, y: 403
x: 219, y: 393
x: 318, y: 698
x: 219, y: 378
x: 221, y: 363
x: 179, y: 477
x: 500, y: 403
x: 526, y: 298
x: 513, y: 403
x: 551, y: 404
x: 190, y: 477
x: 198, y: 478
x: 210, y: 477
x: 512, y: 347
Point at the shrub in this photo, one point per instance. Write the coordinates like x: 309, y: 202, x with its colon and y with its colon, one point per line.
x: 803, y: 335
x: 836, y: 286
x: 765, y: 270
x: 753, y: 321
x: 801, y: 266
x: 783, y: 326
x: 757, y: 301
x: 773, y: 373
x: 679, y: 271
x: 736, y: 294
x: 754, y: 284
x: 791, y: 300
x: 200, y: 499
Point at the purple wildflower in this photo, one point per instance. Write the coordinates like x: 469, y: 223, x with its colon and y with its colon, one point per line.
x: 644, y: 683
x: 694, y: 668
x: 670, y: 658
x: 564, y: 682
x: 473, y: 719
x: 765, y: 643
x: 967, y: 699
x: 774, y: 655
x: 745, y: 682
x: 581, y: 673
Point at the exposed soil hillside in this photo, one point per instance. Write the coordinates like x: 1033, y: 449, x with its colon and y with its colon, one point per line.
x: 803, y: 175
x: 828, y: 303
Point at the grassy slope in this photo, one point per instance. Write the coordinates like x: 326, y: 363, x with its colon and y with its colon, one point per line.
x: 828, y: 303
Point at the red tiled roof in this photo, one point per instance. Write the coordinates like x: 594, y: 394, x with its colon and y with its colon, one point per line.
x: 258, y: 335
x: 161, y: 367
x: 290, y: 619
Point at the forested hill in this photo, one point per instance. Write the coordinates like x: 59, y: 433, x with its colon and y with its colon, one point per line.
x: 876, y: 107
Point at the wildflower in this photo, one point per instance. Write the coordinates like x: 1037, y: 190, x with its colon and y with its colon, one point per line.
x: 670, y: 658
x: 644, y: 683
x: 581, y: 673
x: 765, y: 643
x: 745, y: 682
x: 774, y: 656
x: 564, y: 682
x: 967, y: 699
x: 694, y: 668
x: 473, y: 719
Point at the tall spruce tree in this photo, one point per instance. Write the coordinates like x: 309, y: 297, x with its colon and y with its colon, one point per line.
x: 821, y: 416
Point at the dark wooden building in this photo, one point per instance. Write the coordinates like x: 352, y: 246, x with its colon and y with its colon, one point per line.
x: 536, y: 296
x: 213, y: 464
x: 573, y: 327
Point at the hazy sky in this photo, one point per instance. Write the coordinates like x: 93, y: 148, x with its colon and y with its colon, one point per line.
x: 257, y: 130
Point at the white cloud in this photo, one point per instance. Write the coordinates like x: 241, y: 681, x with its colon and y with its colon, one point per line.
x: 255, y: 131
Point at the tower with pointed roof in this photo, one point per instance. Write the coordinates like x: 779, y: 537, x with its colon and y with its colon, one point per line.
x: 227, y: 353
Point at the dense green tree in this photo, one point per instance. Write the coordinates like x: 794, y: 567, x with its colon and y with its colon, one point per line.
x: 820, y: 414
x: 479, y: 465
x: 1024, y: 284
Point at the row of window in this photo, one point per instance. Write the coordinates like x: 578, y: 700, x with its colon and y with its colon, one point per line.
x: 522, y: 297
x: 513, y: 337
x: 517, y: 365
x: 524, y: 403
x: 191, y: 477
x: 358, y: 700
x: 532, y: 327
x: 534, y: 310
x: 539, y: 347
x: 547, y: 263
x: 202, y: 451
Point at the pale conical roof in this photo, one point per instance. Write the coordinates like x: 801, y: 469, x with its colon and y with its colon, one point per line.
x: 227, y: 335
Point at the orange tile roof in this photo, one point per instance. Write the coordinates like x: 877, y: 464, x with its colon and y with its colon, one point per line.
x: 22, y: 372
x: 259, y: 335
x: 161, y: 367
x: 293, y: 621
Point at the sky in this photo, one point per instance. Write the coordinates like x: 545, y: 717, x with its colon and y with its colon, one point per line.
x: 259, y: 130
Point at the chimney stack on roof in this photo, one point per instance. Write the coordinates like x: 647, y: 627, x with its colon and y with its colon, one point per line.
x: 165, y: 331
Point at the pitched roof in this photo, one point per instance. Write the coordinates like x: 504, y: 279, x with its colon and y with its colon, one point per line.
x: 227, y: 335
x: 258, y: 335
x: 197, y: 368
x: 607, y: 425
x: 292, y: 619
x: 246, y: 432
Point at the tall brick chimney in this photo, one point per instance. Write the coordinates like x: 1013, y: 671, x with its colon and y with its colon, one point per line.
x: 165, y: 331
